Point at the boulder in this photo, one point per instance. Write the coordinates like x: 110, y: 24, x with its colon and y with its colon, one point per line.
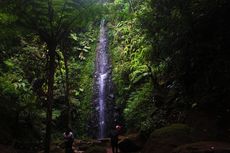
x: 165, y: 139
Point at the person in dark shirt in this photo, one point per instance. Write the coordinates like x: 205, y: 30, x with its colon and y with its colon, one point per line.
x: 114, y: 139
x: 69, y: 139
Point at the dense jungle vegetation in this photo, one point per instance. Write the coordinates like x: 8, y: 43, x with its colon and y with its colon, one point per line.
x: 170, y: 64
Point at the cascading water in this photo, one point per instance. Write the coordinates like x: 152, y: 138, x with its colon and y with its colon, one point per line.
x: 102, y: 124
x: 102, y: 80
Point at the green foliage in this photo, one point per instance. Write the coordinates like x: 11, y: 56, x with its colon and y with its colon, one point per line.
x: 28, y: 30
x: 85, y: 84
x: 131, y: 70
x: 8, y: 33
x: 128, y: 49
x: 6, y: 18
x: 168, y: 57
x: 140, y: 107
x: 185, y: 35
x: 81, y: 57
x: 168, y: 50
x: 17, y: 105
x: 119, y: 10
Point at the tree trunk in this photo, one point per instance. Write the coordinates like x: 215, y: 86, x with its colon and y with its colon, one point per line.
x: 153, y: 77
x: 51, y: 71
x: 67, y: 90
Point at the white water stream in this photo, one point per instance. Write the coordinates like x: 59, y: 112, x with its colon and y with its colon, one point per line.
x: 102, y: 76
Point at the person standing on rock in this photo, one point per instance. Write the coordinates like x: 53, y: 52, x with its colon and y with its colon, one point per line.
x: 69, y: 139
x: 114, y: 139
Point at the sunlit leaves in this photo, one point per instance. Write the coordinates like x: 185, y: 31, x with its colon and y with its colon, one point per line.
x: 82, y: 44
x: 139, y: 73
x: 74, y: 36
x: 6, y: 18
x: 133, y: 48
x: 9, y: 64
x: 15, y: 92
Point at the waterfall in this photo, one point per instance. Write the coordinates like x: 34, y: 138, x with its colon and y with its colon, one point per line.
x: 102, y: 124
x: 102, y: 80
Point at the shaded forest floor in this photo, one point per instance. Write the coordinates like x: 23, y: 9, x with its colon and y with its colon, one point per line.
x: 162, y: 141
x: 9, y: 149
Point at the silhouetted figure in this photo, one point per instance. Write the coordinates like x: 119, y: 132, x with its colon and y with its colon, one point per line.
x: 114, y: 139
x: 69, y: 139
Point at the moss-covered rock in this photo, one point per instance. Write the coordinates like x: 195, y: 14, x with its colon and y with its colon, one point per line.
x: 172, y: 130
x: 165, y: 139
